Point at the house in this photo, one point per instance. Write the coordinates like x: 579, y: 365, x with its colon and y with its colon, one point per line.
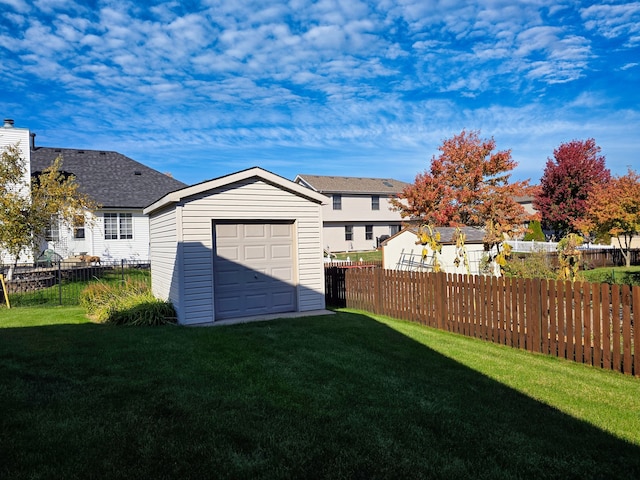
x: 121, y: 186
x: 400, y: 252
x: 242, y: 245
x: 359, y: 215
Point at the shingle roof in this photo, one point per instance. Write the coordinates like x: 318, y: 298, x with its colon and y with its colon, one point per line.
x: 113, y: 180
x: 334, y: 184
x: 473, y: 234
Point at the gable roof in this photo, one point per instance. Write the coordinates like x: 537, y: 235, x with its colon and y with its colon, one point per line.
x: 334, y: 184
x: 113, y: 180
x: 219, y: 182
x: 473, y: 234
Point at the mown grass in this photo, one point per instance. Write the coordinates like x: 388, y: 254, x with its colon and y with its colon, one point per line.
x: 613, y: 275
x: 68, y: 292
x: 368, y: 256
x: 342, y: 396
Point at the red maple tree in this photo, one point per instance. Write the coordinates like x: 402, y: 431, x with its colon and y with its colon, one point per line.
x: 565, y: 185
x: 466, y: 185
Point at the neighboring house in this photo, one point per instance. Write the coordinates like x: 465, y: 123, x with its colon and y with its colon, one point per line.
x: 359, y: 215
x: 242, y: 245
x: 400, y: 252
x: 527, y: 203
x: 121, y: 186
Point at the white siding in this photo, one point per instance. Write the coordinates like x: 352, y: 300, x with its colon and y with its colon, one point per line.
x: 335, y: 240
x: 164, y: 255
x: 19, y: 136
x: 135, y: 249
x: 249, y: 199
x: 357, y: 212
x: 399, y: 250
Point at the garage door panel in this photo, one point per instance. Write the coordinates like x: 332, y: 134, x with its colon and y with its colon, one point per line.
x: 284, y: 274
x: 255, y: 252
x: 280, y: 231
x: 282, y: 299
x: 228, y: 231
x: 281, y: 252
x: 229, y: 252
x: 254, y: 270
x: 255, y: 231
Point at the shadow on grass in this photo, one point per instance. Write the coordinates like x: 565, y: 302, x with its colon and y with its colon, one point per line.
x: 342, y: 396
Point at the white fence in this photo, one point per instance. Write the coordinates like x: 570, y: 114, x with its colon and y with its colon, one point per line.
x: 533, y: 246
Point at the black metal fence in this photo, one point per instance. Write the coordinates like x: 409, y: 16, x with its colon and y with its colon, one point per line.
x: 61, y: 283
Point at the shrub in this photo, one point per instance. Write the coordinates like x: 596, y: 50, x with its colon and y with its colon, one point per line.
x: 530, y: 265
x: 534, y: 232
x: 128, y: 303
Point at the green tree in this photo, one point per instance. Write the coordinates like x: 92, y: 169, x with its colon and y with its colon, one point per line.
x: 534, y: 232
x: 29, y: 205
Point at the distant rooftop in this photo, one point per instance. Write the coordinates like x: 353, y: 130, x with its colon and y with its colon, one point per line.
x: 337, y: 184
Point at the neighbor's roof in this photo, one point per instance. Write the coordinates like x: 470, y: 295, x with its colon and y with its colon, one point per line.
x: 113, y: 180
x: 335, y: 184
x: 473, y: 234
x: 254, y: 173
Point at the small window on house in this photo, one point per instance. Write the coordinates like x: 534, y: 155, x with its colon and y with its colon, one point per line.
x: 348, y: 233
x: 337, y: 201
x: 118, y: 226
x: 126, y: 226
x: 52, y: 231
x: 393, y: 229
x: 110, y: 226
x: 78, y: 227
x: 368, y: 232
x: 375, y: 202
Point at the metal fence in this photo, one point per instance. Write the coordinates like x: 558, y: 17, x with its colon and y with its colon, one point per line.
x: 61, y: 283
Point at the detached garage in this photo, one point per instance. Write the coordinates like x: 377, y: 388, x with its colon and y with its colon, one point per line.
x: 243, y: 245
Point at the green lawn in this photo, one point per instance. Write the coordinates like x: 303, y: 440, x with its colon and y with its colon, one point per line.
x: 342, y: 396
x: 620, y: 275
x: 368, y: 256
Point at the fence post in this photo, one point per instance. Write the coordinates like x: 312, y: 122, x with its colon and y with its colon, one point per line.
x: 59, y: 283
x: 122, y: 269
x: 377, y: 288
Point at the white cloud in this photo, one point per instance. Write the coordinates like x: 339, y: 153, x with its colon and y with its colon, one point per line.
x: 614, y: 21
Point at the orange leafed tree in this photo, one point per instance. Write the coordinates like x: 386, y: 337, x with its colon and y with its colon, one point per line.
x: 466, y: 185
x: 614, y: 209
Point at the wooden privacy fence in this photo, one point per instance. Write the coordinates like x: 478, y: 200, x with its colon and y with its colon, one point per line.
x: 583, y: 322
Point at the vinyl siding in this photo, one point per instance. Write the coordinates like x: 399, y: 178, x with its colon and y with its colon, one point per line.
x: 136, y: 248
x: 164, y: 254
x: 248, y: 200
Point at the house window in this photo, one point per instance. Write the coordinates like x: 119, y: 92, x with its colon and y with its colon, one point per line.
x: 348, y: 233
x: 368, y: 232
x: 375, y: 202
x: 118, y: 226
x: 52, y: 231
x: 126, y: 226
x: 78, y: 228
x: 393, y: 229
x: 337, y: 201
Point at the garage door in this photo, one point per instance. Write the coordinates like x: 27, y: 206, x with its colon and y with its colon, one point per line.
x: 253, y: 269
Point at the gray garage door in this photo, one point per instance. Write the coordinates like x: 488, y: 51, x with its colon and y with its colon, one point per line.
x: 253, y: 269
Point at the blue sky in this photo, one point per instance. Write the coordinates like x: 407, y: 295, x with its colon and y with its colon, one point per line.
x: 203, y: 88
